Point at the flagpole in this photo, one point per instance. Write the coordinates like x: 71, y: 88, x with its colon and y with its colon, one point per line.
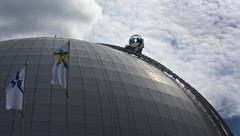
x: 25, y: 73
x: 68, y: 68
x: 66, y: 127
x: 26, y: 65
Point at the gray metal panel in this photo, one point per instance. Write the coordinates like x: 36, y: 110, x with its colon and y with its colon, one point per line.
x: 111, y: 93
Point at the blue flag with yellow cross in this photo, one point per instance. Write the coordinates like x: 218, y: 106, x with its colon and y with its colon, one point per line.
x: 60, y: 66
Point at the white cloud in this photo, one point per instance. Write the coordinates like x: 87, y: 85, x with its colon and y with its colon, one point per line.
x: 196, y: 39
x: 23, y: 18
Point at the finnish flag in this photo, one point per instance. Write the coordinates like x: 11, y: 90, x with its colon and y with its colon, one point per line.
x: 60, y: 66
x: 15, y: 91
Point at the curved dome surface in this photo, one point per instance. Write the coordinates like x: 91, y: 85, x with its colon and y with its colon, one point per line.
x: 111, y: 93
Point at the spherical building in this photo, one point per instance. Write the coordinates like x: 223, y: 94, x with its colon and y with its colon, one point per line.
x: 111, y: 93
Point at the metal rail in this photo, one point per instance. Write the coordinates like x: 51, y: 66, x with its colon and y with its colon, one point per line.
x: 207, y: 107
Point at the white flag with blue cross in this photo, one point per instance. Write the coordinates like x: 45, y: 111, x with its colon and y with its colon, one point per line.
x: 15, y: 91
x: 60, y: 66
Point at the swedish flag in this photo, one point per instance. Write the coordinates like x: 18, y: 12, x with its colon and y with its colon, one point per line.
x: 60, y: 66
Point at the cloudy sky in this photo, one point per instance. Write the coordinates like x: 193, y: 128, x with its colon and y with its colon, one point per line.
x: 196, y: 39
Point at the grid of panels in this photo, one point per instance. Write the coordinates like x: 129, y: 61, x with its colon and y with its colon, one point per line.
x: 111, y: 93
